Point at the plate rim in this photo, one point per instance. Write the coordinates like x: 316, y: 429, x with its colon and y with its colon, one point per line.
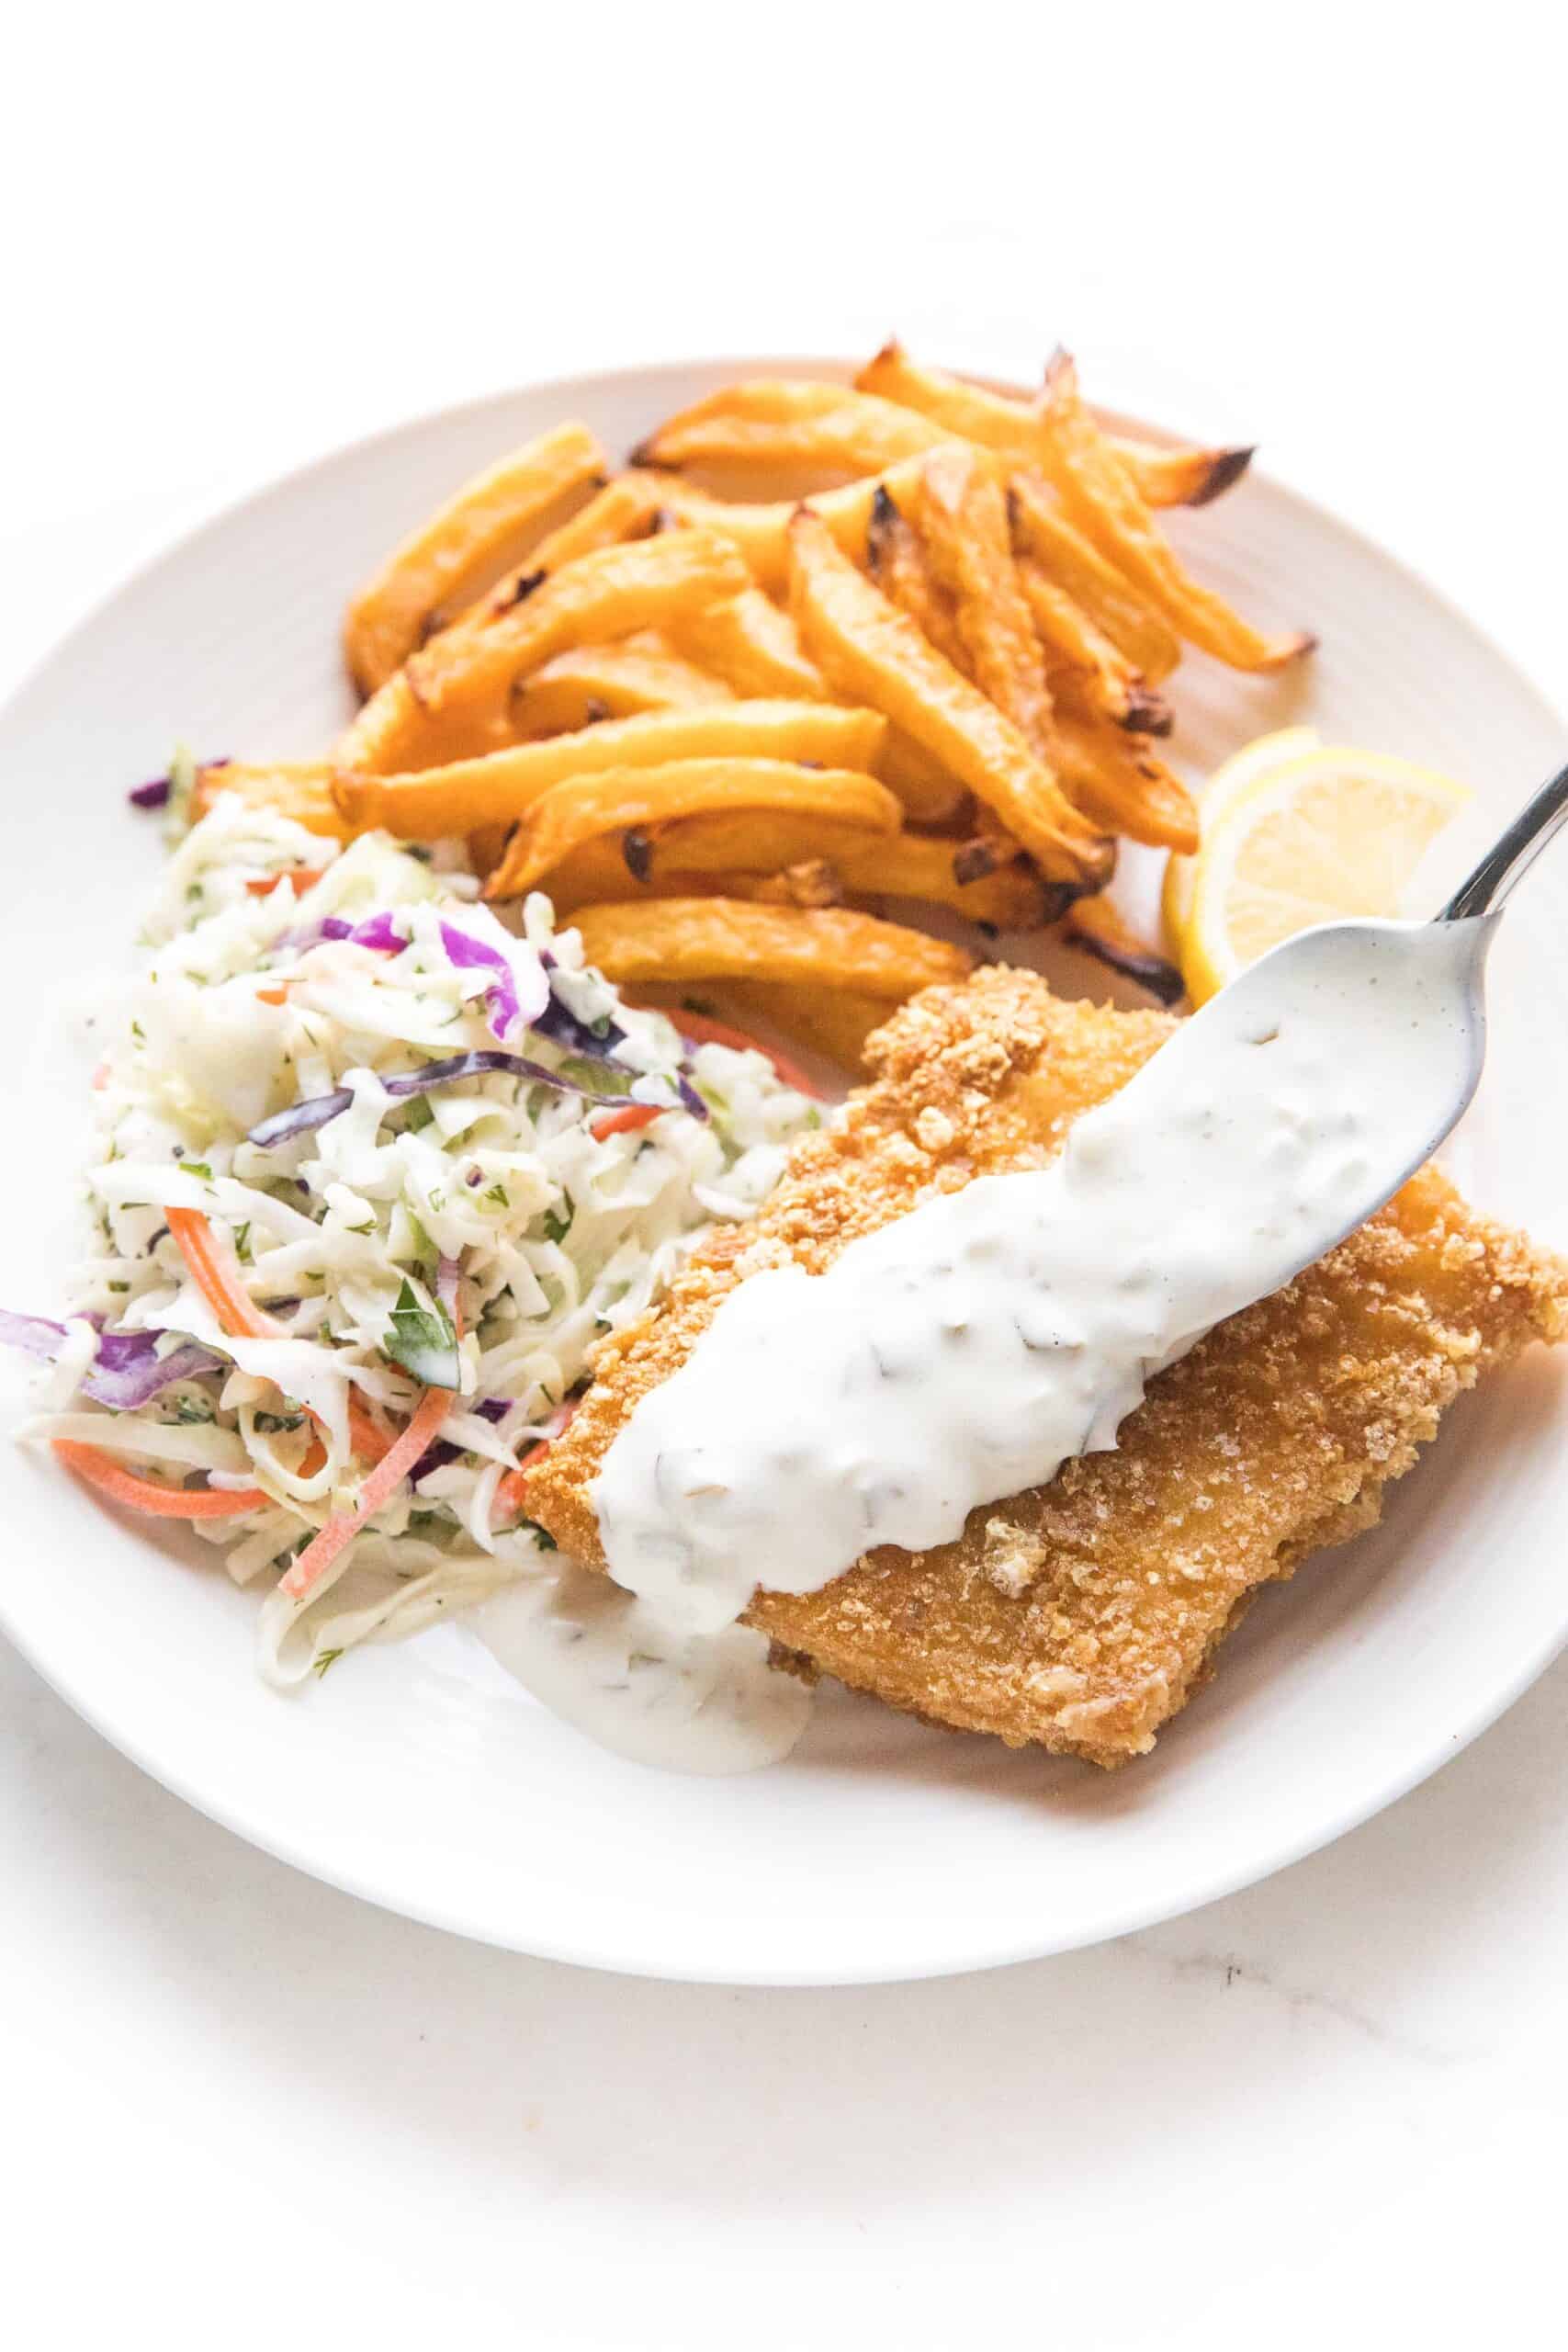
x: 164, y: 551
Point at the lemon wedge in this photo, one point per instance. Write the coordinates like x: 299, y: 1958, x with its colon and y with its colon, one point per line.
x: 1330, y: 833
x: 1223, y: 789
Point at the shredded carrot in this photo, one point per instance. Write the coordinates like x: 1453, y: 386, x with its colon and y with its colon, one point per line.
x: 273, y: 996
x: 100, y: 1077
x: 101, y: 1470
x: 304, y: 877
x: 215, y: 1270
x: 624, y: 1123
x: 383, y: 1482
x: 367, y: 1436
x: 216, y: 1273
x: 510, y: 1493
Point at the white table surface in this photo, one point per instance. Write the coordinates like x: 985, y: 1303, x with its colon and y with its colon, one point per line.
x: 238, y: 2106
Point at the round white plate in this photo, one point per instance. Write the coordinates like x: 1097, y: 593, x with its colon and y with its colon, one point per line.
x: 416, y: 1775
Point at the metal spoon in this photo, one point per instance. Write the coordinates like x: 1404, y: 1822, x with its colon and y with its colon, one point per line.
x: 1436, y: 969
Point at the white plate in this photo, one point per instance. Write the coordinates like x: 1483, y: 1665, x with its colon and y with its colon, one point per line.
x: 416, y: 1775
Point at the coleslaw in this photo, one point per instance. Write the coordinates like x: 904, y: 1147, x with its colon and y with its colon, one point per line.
x: 373, y: 1175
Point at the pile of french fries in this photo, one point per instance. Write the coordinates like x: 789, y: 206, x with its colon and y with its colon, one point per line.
x: 816, y: 648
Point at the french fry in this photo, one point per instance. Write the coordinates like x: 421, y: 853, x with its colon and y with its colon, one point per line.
x: 1181, y: 477
x: 607, y: 594
x: 599, y: 681
x: 919, y: 865
x: 625, y: 509
x: 900, y: 566
x: 1103, y: 500
x: 1095, y: 926
x: 1075, y: 564
x: 598, y: 873
x: 752, y: 646
x: 488, y: 525
x: 731, y: 939
x: 759, y: 528
x: 811, y: 882
x: 392, y: 731
x: 874, y: 653
x: 497, y: 790
x: 1012, y: 428
x: 635, y: 799
x: 1121, y: 783
x: 761, y: 841
x: 773, y: 425
x: 964, y: 524
x: 1110, y: 682
x: 756, y: 649
x: 301, y: 790
x: 835, y: 1022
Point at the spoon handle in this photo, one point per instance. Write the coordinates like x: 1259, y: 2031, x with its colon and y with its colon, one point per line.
x: 1537, y: 824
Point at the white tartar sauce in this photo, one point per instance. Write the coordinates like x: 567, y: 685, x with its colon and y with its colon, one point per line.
x: 962, y: 1352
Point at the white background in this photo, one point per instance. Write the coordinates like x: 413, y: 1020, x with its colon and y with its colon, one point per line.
x: 238, y: 2106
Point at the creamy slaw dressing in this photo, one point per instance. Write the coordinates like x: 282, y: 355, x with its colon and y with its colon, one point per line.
x: 962, y: 1352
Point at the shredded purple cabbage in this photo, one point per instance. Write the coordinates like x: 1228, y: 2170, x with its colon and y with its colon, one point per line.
x: 311, y: 934
x: 155, y: 793
x: 135, y: 1380
x: 505, y: 1007
x: 556, y: 1020
x: 303, y: 1117
x: 127, y: 1371
x: 441, y: 1451
x: 503, y: 1004
x: 381, y: 931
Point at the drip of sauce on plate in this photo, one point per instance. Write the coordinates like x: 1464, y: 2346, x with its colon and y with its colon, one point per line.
x: 962, y: 1352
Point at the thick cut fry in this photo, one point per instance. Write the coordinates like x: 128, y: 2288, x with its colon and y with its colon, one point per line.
x: 835, y: 1022
x: 625, y: 509
x: 1095, y: 926
x: 871, y: 651
x: 919, y: 865
x: 900, y: 565
x: 963, y: 524
x: 393, y: 732
x: 1012, y: 428
x: 760, y: 528
x: 598, y: 873
x: 301, y: 790
x: 730, y: 939
x: 1181, y: 477
x: 637, y: 799
x: 487, y: 526
x: 1121, y: 781
x: 607, y: 593
x: 761, y: 841
x: 598, y: 682
x: 752, y: 646
x: 502, y: 787
x: 773, y: 426
x: 811, y: 882
x: 1111, y: 684
x: 749, y: 642
x: 1067, y: 556
x: 1102, y: 498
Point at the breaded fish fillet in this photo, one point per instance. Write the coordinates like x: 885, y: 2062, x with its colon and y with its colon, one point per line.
x: 1083, y: 1614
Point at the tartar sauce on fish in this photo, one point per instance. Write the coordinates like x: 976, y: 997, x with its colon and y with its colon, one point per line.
x: 962, y: 1352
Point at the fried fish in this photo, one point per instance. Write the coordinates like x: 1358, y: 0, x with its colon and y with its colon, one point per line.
x: 1082, y: 1614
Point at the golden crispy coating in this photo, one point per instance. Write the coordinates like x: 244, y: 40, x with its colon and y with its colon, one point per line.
x: 1084, y: 1614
